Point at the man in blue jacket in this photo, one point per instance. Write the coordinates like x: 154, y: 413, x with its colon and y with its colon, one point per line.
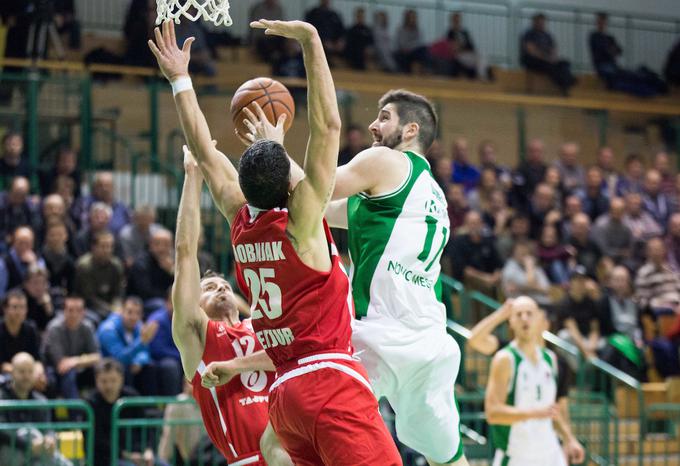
x: 124, y: 338
x: 164, y: 352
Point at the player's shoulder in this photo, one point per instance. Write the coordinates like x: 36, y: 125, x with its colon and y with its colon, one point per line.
x: 378, y: 154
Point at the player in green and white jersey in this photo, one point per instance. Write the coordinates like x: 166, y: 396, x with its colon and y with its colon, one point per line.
x: 520, y: 402
x: 398, y: 226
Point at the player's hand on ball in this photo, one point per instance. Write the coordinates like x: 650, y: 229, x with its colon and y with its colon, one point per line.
x: 298, y: 30
x: 173, y: 61
x: 259, y: 126
x: 216, y: 374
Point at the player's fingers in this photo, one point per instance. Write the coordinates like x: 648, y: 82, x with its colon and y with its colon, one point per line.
x: 186, y: 48
x: 214, y: 142
x: 171, y: 30
x: 257, y: 25
x: 242, y: 139
x: 154, y: 49
x: 260, y: 112
x: 159, y: 39
x: 185, y: 149
x: 282, y: 120
x: 166, y: 32
x: 250, y: 115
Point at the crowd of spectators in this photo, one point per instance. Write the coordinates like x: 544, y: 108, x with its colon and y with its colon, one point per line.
x: 597, y: 247
x: 82, y: 277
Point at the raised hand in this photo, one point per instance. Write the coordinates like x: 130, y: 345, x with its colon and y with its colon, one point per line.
x: 173, y: 61
x: 259, y: 126
x: 297, y: 30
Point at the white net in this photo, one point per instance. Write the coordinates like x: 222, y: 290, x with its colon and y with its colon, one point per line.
x: 216, y: 11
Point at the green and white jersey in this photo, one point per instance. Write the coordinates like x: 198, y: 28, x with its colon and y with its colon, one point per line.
x: 532, y: 386
x: 395, y: 243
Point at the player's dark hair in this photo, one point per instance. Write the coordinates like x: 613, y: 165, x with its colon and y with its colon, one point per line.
x: 264, y: 175
x: 212, y: 274
x: 108, y: 365
x: 413, y: 108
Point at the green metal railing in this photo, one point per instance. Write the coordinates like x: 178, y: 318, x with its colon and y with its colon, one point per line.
x: 661, y: 434
x: 143, y: 429
x: 81, y: 432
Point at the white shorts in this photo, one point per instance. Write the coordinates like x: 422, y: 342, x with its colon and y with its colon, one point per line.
x: 416, y: 371
x: 556, y: 458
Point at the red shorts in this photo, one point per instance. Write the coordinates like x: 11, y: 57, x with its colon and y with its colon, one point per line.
x: 326, y: 414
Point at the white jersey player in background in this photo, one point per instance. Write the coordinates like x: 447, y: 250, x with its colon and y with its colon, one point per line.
x: 521, y: 395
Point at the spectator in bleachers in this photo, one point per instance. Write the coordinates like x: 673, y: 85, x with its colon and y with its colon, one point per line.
x: 17, y: 209
x: 457, y: 206
x: 657, y: 286
x: 612, y: 234
x: 467, y: 59
x: 36, y: 287
x: 497, y: 214
x: 584, y: 249
x: 163, y: 350
x: 71, y: 349
x: 410, y: 44
x: 16, y: 333
x: 21, y: 256
x: 593, y: 197
x: 529, y: 173
x: 604, y: 51
x: 134, y: 237
x: 290, y: 63
x: 382, y: 42
x: 572, y: 207
x: 13, y: 162
x: 35, y: 447
x: 54, y: 211
x: 59, y: 262
x: 641, y: 224
x: 355, y: 142
x: 443, y: 56
x: 554, y: 256
x: 673, y: 242
x: 479, y: 197
x: 487, y: 159
x: 126, y: 338
x: 662, y: 164
x: 538, y: 53
x: 675, y: 197
x: 605, y: 161
x: 66, y: 165
x: 110, y: 378
x: 100, y: 277
x: 553, y: 178
x: 98, y: 221
x: 329, y: 25
x: 671, y: 69
x: 474, y: 258
x: 152, y: 273
x: 543, y: 210
x: 578, y: 314
x: 358, y: 39
x: 517, y: 232
x: 571, y: 171
x: 268, y: 48
x: 137, y: 29
x: 653, y: 200
x: 102, y: 191
x: 632, y: 178
x: 522, y: 275
x: 464, y: 172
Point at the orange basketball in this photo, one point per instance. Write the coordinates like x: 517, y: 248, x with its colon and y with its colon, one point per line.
x: 271, y: 95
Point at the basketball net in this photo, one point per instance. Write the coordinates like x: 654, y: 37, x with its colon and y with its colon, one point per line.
x: 216, y: 11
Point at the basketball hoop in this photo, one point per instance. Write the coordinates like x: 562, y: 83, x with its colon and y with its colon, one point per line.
x: 216, y: 11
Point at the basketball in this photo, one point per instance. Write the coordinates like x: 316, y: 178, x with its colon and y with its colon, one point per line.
x: 271, y: 95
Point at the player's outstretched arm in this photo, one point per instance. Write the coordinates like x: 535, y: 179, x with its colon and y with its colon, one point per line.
x: 495, y: 407
x: 308, y: 201
x: 220, y: 174
x: 482, y: 338
x: 189, y: 322
x: 221, y: 372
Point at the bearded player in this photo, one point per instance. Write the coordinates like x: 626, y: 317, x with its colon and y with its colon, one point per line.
x: 321, y: 405
x: 206, y: 328
x: 398, y: 225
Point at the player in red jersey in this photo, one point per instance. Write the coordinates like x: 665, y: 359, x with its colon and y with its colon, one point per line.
x: 206, y: 328
x: 321, y: 405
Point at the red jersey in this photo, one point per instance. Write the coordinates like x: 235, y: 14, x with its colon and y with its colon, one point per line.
x: 296, y: 311
x: 236, y: 414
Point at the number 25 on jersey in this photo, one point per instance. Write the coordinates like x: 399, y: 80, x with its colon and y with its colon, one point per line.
x: 265, y: 294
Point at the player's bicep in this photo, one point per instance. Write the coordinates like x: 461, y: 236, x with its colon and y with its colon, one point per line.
x: 336, y: 214
x: 354, y: 177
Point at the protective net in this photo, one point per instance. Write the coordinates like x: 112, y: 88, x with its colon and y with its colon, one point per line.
x: 216, y: 11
